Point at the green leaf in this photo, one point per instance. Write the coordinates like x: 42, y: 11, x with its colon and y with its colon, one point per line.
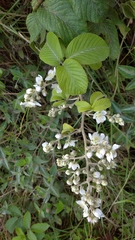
x: 27, y: 220
x: 59, y: 103
x: 127, y: 71
x: 54, y: 190
x: 113, y: 15
x: 83, y: 106
x: 90, y: 10
x: 20, y: 163
x: 58, y: 96
x: 117, y: 21
x: 11, y: 224
x: 67, y: 128
x: 72, y: 78
x: 131, y: 85
x: 128, y: 10
x: 101, y: 104
x: 4, y: 160
x: 16, y: 105
x: 15, y: 211
x: 33, y: 25
x: 116, y: 108
x: 111, y: 36
x: 35, y: 4
x: 59, y: 207
x: 132, y: 2
x: 19, y: 238
x: 130, y: 109
x: 1, y: 73
x: 59, y: 17
x: 40, y: 227
x: 87, y: 48
x: 58, y: 220
x: 127, y: 118
x: 95, y: 96
x: 51, y: 53
x: 53, y: 170
x: 31, y: 235
x: 96, y: 66
x: 19, y: 232
x: 2, y: 85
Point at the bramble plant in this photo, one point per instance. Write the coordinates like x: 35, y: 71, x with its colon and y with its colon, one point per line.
x: 67, y: 120
x: 86, y: 171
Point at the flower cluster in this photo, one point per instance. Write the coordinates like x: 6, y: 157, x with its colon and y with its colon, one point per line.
x: 101, y: 148
x: 100, y: 117
x: 32, y: 95
x: 116, y: 119
x: 89, y: 204
x: 53, y: 111
x: 103, y: 155
x: 31, y: 98
x: 47, y: 147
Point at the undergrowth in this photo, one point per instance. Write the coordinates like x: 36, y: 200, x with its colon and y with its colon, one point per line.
x: 37, y: 200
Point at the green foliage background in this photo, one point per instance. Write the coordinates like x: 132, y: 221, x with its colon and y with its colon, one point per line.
x: 35, y: 202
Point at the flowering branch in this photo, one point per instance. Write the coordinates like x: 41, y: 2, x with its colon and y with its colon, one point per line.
x: 86, y: 181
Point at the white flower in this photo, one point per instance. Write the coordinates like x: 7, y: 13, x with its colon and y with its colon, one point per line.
x: 29, y: 91
x: 57, y: 88
x: 69, y: 144
x: 44, y: 93
x: 30, y: 104
x: 44, y: 145
x: 112, y: 153
x: 86, y: 212
x: 104, y: 183
x: 90, y: 200
x: 82, y: 191
x: 73, y: 165
x: 96, y: 138
x: 51, y: 74
x: 100, y: 153
x: 75, y: 189
x: 89, y: 154
x: 76, y: 180
x: 97, y: 202
x: 68, y: 172
x: 96, y: 174
x: 77, y: 172
x: 69, y: 182
x: 92, y: 220
x: 47, y: 147
x: 82, y: 204
x: 58, y: 136
x: 39, y: 80
x: 26, y: 97
x: 121, y: 122
x: 98, y: 213
x: 38, y: 88
x: 100, y: 116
